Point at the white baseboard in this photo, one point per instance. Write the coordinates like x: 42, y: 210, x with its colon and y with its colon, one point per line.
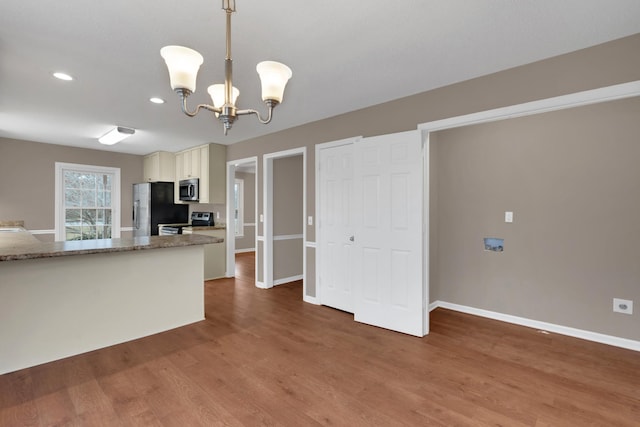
x: 550, y: 327
x: 241, y: 251
x: 287, y: 280
x: 311, y: 300
x: 42, y: 231
x: 261, y: 285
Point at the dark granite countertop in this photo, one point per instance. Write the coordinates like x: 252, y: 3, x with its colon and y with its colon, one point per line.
x: 22, y: 245
x: 206, y: 227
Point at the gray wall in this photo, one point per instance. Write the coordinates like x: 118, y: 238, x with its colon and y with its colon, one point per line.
x: 603, y: 65
x: 287, y: 217
x: 573, y: 182
x: 27, y: 180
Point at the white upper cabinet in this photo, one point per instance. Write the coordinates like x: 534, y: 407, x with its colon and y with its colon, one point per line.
x: 159, y: 166
x: 208, y: 163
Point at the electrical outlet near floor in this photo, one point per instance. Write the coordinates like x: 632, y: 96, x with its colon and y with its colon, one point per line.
x: 623, y: 306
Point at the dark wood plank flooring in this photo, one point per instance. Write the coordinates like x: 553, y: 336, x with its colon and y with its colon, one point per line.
x: 264, y: 357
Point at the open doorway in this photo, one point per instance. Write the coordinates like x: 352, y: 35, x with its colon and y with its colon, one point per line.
x: 242, y: 211
x: 284, y: 211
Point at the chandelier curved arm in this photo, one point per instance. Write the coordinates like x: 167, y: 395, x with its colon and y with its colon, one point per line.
x: 270, y: 103
x: 257, y: 113
x: 185, y: 109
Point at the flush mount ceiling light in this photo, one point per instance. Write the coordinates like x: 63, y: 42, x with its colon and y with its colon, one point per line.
x: 62, y: 76
x: 116, y: 135
x: 183, y: 64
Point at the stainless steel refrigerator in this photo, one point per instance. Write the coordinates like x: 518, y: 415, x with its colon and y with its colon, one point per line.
x: 153, y: 204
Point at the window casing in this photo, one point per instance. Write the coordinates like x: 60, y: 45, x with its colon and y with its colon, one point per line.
x: 87, y: 202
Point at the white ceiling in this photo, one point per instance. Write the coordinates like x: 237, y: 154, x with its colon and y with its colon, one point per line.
x: 345, y: 55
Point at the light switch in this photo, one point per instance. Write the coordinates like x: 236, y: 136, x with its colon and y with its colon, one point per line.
x: 310, y: 220
x: 508, y: 217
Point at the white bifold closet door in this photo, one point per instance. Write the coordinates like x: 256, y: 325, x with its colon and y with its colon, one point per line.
x: 371, y: 250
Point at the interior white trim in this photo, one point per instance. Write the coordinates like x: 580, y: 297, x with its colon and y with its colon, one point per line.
x: 311, y: 300
x: 42, y: 231
x: 310, y: 244
x: 288, y: 237
x: 545, y: 326
x: 287, y: 280
x: 577, y: 99
x: 242, y: 251
x: 60, y: 167
x: 267, y: 206
x: 230, y: 234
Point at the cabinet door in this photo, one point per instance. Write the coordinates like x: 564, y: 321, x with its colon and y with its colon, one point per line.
x: 166, y: 166
x: 151, y: 167
x: 194, y: 163
x: 188, y: 162
x: 180, y: 166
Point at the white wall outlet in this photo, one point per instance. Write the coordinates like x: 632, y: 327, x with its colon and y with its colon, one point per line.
x: 310, y: 220
x: 217, y: 215
x: 261, y: 218
x: 623, y: 306
x: 508, y: 217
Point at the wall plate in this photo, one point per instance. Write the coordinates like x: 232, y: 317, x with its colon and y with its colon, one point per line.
x: 623, y: 306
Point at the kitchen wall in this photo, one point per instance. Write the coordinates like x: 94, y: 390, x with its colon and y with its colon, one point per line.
x: 27, y: 180
x: 603, y: 65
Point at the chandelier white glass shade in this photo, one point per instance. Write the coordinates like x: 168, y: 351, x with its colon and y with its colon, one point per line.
x: 216, y: 92
x: 183, y: 64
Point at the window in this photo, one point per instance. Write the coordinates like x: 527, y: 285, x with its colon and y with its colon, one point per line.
x: 87, y: 202
x: 238, y: 200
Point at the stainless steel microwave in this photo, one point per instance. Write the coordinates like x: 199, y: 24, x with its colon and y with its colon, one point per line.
x: 188, y: 190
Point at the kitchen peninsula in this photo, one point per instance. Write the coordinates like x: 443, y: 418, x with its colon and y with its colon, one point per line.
x: 65, y: 298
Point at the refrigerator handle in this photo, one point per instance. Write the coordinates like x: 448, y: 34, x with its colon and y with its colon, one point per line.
x: 136, y: 203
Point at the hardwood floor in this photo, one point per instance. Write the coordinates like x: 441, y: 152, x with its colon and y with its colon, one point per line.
x: 263, y: 357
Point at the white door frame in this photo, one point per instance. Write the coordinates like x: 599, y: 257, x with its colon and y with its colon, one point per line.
x: 577, y: 99
x: 267, y: 215
x: 231, y: 236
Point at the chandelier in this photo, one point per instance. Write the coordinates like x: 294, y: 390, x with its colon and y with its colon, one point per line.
x: 183, y: 64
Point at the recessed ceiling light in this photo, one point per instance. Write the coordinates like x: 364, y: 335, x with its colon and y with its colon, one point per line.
x: 157, y: 100
x: 62, y: 76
